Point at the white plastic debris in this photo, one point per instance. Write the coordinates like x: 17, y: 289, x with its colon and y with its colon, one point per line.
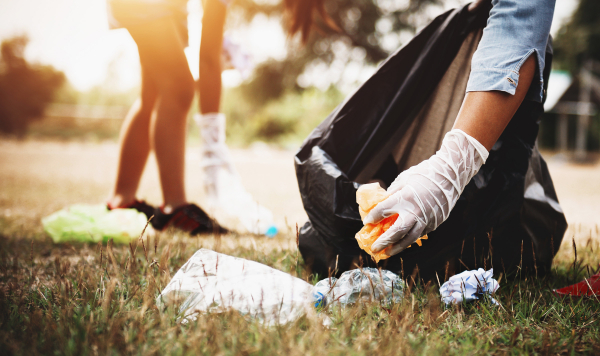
x: 469, y: 286
x: 236, y: 209
x: 235, y: 56
x: 368, y: 284
x: 214, y: 282
x: 226, y: 199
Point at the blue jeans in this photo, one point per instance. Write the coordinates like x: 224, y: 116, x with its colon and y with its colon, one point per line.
x: 515, y: 30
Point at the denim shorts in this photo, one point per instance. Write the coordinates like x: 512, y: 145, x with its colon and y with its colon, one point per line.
x: 516, y: 29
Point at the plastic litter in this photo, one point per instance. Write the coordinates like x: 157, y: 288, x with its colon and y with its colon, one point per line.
x: 237, y: 210
x: 589, y: 287
x: 214, y: 282
x: 366, y: 284
x: 469, y: 286
x: 233, y: 56
x: 94, y: 223
x: 226, y: 198
x: 367, y: 197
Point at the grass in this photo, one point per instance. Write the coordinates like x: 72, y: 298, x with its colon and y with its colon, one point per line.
x: 89, y: 299
x: 80, y: 299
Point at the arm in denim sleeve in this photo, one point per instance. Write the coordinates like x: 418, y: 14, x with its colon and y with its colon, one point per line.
x: 515, y: 30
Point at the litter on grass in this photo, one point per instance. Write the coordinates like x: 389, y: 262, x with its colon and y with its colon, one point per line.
x: 366, y: 284
x: 211, y: 282
x: 214, y: 282
x: 589, y: 287
x: 367, y: 197
x: 94, y: 223
x: 469, y: 286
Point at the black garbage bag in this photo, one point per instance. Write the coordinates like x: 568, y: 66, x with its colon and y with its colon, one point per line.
x: 507, y: 216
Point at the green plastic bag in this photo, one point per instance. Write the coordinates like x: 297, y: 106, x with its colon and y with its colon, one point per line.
x: 93, y: 223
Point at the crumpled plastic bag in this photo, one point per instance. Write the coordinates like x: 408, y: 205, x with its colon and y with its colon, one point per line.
x: 227, y: 201
x: 214, y: 282
x: 589, y: 287
x: 366, y: 284
x: 238, y: 210
x: 94, y: 223
x: 367, y: 197
x: 233, y: 56
x: 469, y: 286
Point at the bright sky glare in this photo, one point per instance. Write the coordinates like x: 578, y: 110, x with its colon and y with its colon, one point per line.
x: 73, y: 36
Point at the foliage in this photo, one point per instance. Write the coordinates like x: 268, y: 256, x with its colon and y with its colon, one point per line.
x: 284, y: 121
x: 579, y: 39
x: 368, y: 29
x: 25, y: 88
x: 101, y: 94
x: 100, y: 299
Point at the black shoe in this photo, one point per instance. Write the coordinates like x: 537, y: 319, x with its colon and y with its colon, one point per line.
x: 138, y: 205
x: 189, y: 218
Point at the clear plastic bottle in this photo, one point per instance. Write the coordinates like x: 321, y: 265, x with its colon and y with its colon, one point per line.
x: 366, y: 284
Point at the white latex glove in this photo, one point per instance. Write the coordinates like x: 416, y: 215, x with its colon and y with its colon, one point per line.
x: 424, y: 195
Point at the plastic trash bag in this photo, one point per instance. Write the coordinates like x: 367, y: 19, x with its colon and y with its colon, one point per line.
x: 94, y: 223
x: 509, y: 211
x: 214, y: 282
x: 469, y: 286
x: 367, y: 284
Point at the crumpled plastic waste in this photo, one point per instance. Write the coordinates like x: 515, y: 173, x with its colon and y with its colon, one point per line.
x: 367, y: 197
x: 233, y: 56
x: 469, y: 286
x: 94, y: 223
x: 213, y: 282
x: 589, y: 287
x: 226, y: 198
x: 236, y: 209
x: 366, y: 284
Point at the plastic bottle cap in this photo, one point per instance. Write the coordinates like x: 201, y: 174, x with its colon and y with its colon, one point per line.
x: 271, y: 232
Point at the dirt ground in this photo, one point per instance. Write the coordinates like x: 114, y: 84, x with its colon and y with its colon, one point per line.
x: 38, y: 178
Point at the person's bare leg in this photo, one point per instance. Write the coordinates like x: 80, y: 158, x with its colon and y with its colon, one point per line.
x: 134, y: 145
x: 211, y: 46
x: 485, y: 114
x: 161, y: 51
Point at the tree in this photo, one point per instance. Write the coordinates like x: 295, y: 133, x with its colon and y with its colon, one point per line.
x: 25, y: 88
x: 579, y: 39
x: 371, y: 28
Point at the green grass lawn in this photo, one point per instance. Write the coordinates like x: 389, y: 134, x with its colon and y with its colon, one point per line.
x: 84, y: 299
x: 79, y: 299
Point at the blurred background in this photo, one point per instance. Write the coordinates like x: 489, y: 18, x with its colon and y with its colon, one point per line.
x: 65, y: 75
x: 67, y: 81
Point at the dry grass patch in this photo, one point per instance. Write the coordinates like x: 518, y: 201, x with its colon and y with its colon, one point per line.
x: 100, y: 299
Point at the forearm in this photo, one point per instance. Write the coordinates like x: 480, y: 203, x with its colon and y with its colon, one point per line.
x: 485, y: 114
x: 211, y: 46
x: 210, y: 87
x: 505, y: 69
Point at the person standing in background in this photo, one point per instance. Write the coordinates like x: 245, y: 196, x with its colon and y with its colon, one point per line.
x: 157, y: 121
x: 158, y: 118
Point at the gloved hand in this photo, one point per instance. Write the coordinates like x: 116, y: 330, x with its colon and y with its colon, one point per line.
x: 424, y: 195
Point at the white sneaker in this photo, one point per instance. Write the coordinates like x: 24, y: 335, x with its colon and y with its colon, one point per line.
x: 226, y: 198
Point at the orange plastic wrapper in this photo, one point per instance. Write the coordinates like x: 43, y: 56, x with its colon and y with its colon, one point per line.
x: 367, y: 197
